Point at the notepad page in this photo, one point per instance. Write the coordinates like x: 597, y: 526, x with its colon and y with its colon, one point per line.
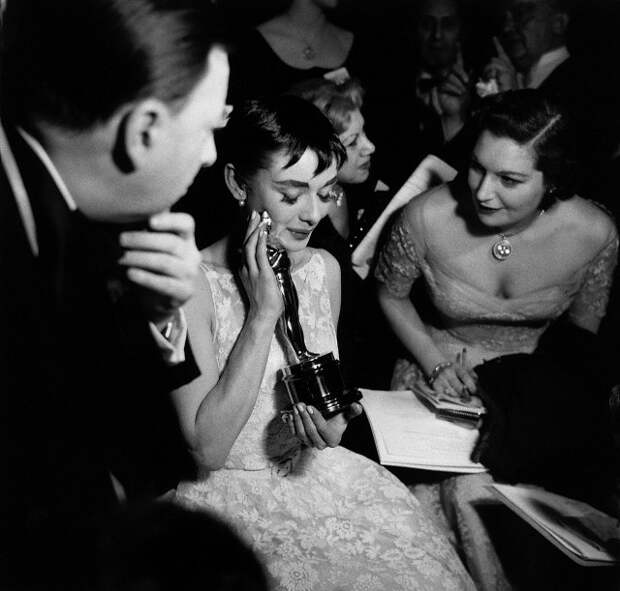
x: 408, y: 434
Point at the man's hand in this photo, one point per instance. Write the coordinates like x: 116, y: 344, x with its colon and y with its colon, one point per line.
x: 454, y: 92
x: 164, y: 262
x: 501, y: 69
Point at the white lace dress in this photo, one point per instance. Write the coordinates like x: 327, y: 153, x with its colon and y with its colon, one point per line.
x: 320, y: 520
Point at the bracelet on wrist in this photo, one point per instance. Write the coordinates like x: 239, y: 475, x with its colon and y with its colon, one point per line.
x: 437, y: 370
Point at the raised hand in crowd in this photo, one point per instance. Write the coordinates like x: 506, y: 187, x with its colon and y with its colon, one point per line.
x: 453, y: 98
x: 501, y: 69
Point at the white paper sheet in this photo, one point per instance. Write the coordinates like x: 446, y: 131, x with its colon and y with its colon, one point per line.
x: 584, y: 534
x: 430, y: 170
x: 408, y: 434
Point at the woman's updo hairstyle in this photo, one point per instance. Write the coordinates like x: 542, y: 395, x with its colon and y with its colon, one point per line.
x: 531, y: 119
x: 336, y: 101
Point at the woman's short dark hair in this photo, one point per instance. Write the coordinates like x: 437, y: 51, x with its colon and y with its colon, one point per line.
x: 259, y: 129
x: 531, y: 119
x: 336, y: 101
x: 73, y: 63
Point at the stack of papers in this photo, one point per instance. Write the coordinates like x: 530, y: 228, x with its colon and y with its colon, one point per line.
x: 586, y: 535
x: 409, y: 435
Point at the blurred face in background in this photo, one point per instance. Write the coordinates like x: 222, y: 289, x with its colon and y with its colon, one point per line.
x: 531, y: 28
x: 359, y: 151
x: 438, y: 33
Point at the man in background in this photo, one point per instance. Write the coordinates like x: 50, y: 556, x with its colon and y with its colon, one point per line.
x: 532, y: 52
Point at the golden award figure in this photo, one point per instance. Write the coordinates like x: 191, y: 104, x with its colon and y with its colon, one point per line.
x: 314, y: 379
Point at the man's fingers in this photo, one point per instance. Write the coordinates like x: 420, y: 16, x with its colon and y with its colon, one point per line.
x: 499, y: 48
x: 459, y: 58
x: 155, y: 241
x: 178, y: 291
x: 177, y: 223
x: 456, y: 90
x: 157, y: 262
x: 460, y: 75
x: 500, y: 64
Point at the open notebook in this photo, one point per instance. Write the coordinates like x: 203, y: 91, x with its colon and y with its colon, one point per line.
x: 409, y: 435
x: 432, y: 170
x: 586, y: 535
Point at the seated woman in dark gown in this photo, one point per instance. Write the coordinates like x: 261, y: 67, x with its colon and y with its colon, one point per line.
x: 503, y: 252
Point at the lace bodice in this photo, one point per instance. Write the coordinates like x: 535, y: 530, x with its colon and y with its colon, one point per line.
x: 490, y: 323
x: 265, y: 440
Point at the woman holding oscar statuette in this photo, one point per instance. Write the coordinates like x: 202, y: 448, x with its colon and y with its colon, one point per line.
x: 321, y: 517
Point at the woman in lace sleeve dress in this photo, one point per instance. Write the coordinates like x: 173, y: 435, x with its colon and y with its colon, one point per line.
x: 321, y: 517
x: 503, y: 250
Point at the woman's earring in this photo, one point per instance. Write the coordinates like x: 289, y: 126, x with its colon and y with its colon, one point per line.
x: 337, y: 194
x: 549, y: 198
x: 242, y: 202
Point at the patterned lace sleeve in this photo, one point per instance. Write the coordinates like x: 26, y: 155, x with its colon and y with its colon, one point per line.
x: 592, y: 299
x: 398, y: 264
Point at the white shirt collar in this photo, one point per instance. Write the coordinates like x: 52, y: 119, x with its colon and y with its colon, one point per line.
x: 548, y: 62
x: 49, y: 165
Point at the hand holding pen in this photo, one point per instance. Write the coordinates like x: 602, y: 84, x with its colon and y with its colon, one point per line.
x: 454, y: 379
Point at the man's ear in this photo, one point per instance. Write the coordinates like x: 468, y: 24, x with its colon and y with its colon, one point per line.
x: 141, y: 133
x: 234, y: 186
x: 559, y: 24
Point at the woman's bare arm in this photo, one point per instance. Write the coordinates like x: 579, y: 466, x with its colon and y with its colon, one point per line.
x: 215, y: 407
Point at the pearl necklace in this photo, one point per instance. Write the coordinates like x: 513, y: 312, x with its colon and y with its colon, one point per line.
x: 502, y: 248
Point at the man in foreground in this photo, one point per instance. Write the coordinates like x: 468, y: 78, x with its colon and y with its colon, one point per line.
x: 108, y: 111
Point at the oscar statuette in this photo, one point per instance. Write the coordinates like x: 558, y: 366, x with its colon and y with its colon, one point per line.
x: 315, y: 379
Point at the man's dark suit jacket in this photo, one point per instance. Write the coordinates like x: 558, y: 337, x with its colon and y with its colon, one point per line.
x: 84, y: 388
x: 591, y: 103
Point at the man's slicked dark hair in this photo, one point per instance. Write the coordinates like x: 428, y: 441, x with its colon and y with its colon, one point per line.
x: 259, y: 129
x: 73, y: 63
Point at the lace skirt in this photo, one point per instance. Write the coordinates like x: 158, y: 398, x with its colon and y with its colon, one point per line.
x: 336, y: 521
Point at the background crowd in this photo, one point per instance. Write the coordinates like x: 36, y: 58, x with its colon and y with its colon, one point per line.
x: 142, y: 352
